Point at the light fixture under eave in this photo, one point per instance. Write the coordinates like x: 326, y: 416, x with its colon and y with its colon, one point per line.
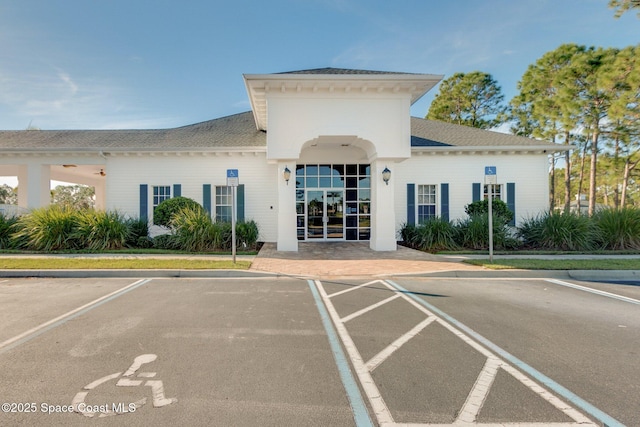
x: 101, y: 173
x: 286, y: 173
x: 386, y: 175
x: 69, y: 166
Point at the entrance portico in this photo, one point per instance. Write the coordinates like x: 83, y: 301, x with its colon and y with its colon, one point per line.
x: 321, y: 123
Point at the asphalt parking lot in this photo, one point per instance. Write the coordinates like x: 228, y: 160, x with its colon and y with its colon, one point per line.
x: 289, y: 351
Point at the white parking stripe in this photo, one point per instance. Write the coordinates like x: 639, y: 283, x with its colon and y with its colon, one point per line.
x: 354, y: 288
x: 33, y: 332
x: 480, y: 391
x: 391, y: 348
x: 380, y: 409
x: 593, y: 291
x: 368, y: 309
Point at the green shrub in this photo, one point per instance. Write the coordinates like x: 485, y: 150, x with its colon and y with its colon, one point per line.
x: 164, y: 212
x: 499, y: 209
x: 100, y: 230
x: 473, y: 233
x: 47, y: 229
x: 138, y: 236
x: 223, y: 234
x: 193, y: 230
x: 434, y: 235
x: 619, y: 228
x: 407, y: 234
x: 560, y: 231
x: 6, y: 229
x: 164, y: 241
x: 247, y: 234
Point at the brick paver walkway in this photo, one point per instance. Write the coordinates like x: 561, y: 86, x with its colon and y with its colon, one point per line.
x: 324, y: 259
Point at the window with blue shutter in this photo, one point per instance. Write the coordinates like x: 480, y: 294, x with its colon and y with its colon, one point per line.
x: 444, y: 201
x: 144, y: 201
x: 511, y: 200
x: 206, y: 197
x: 476, y: 188
x: 240, y: 203
x: 411, y: 204
x: 177, y: 190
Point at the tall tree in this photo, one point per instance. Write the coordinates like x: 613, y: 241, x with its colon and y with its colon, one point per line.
x: 622, y: 6
x: 624, y: 77
x: 472, y: 99
x: 8, y: 195
x: 538, y: 109
x: 587, y: 91
x: 73, y: 196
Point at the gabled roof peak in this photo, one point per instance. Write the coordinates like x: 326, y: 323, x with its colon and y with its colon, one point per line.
x: 340, y: 71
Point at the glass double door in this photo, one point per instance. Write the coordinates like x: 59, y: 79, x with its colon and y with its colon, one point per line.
x: 325, y: 214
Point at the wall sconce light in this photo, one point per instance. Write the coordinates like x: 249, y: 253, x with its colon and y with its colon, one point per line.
x: 386, y: 175
x: 286, y: 173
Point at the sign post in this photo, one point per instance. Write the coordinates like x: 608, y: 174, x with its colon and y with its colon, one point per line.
x: 233, y: 181
x: 490, y: 179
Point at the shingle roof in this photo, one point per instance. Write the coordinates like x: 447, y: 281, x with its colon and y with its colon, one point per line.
x: 340, y: 71
x: 431, y: 133
x: 236, y: 131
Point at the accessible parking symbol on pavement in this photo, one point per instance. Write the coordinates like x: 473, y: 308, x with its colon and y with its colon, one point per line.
x: 124, y: 380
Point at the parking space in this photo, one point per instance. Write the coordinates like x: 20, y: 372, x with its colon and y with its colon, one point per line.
x: 286, y: 351
x: 231, y: 352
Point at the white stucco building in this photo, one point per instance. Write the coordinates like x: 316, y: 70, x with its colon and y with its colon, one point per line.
x: 334, y: 130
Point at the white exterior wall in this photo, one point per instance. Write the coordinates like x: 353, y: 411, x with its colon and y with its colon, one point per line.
x: 126, y: 174
x: 294, y: 120
x: 530, y: 173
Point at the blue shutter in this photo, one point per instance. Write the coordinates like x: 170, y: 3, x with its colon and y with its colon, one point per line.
x: 477, y: 189
x: 144, y: 201
x: 206, y: 197
x: 240, y: 203
x: 411, y: 204
x: 511, y: 200
x: 177, y: 190
x: 444, y: 201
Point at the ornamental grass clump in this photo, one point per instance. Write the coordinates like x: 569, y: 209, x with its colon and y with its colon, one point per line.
x: 193, y: 230
x: 433, y: 235
x: 6, y: 229
x: 619, y: 228
x: 560, y: 231
x: 47, y: 229
x: 138, y: 235
x: 247, y: 234
x: 100, y: 230
x: 473, y: 233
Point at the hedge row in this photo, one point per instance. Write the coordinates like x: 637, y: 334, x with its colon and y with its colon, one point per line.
x: 608, y: 229
x: 55, y: 228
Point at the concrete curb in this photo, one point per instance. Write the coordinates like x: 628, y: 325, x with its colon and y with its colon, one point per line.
x: 71, y: 274
x: 586, y: 275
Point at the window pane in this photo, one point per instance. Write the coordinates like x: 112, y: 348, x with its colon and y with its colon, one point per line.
x: 325, y: 181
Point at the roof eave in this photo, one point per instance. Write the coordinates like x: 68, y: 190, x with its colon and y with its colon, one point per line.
x: 548, y: 149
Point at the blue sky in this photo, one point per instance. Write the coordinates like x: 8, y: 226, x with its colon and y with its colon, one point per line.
x: 108, y: 64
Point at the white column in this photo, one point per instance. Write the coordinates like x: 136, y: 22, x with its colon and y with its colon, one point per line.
x: 383, y: 216
x: 34, y: 185
x: 100, y: 193
x: 287, y: 234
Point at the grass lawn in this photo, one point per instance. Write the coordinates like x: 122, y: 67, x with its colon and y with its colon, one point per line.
x: 558, y: 264
x: 119, y: 264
